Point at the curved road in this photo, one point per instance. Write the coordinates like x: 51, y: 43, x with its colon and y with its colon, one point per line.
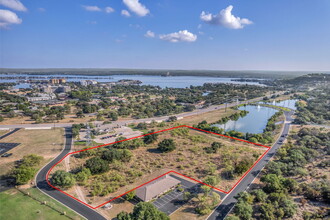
x: 57, y: 195
x: 229, y: 201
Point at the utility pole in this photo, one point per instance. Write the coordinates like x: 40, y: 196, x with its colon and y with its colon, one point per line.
x: 226, y: 100
x: 88, y: 135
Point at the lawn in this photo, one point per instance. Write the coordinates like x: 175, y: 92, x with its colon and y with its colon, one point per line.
x: 15, y: 205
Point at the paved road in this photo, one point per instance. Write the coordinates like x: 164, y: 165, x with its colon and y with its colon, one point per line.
x: 229, y: 202
x: 66, y: 200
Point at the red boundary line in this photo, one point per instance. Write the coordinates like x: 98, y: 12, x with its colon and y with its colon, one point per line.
x: 172, y: 171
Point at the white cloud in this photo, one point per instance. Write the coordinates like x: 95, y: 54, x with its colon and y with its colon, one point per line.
x: 109, y: 10
x: 149, y: 34
x: 41, y: 9
x: 125, y: 13
x: 91, y: 22
x: 119, y: 41
x: 225, y: 18
x: 136, y: 26
x: 136, y: 7
x: 91, y: 8
x: 8, y: 18
x: 179, y: 37
x: 13, y: 4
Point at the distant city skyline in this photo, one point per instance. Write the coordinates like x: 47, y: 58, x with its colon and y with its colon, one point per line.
x: 166, y: 34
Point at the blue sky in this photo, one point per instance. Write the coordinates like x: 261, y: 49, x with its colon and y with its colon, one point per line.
x: 166, y: 34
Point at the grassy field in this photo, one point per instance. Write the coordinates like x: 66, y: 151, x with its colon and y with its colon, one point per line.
x: 15, y: 206
x: 45, y: 143
x: 189, y: 158
x: 2, y: 132
x: 210, y: 117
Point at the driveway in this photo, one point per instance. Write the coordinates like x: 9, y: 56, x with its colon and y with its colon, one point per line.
x: 43, y: 186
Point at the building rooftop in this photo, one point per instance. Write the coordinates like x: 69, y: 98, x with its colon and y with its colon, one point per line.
x: 156, y: 187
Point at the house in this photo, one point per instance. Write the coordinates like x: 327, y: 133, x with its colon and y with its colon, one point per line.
x: 156, y: 188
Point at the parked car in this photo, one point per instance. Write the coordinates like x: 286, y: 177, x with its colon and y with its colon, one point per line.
x: 6, y: 155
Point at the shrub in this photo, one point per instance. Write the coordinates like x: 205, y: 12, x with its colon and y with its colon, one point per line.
x: 148, y: 139
x: 166, y: 145
x: 130, y: 195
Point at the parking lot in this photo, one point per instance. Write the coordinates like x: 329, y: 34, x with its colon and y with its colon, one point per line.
x: 4, y: 147
x: 173, y: 200
x: 112, y: 136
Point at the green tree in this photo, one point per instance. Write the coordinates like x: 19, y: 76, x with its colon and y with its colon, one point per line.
x: 141, y: 126
x: 113, y: 116
x: 121, y: 143
x: 63, y: 178
x: 211, y: 180
x: 243, y: 210
x: 243, y: 165
x: 150, y: 138
x: 187, y: 196
x: 147, y: 211
x: 83, y: 175
x: 23, y: 174
x: 167, y: 145
x: 245, y: 197
x: 124, y: 216
x: 172, y: 118
x: 31, y: 160
x: 130, y: 195
x: 267, y: 211
x: 97, y: 165
x: 260, y: 195
x: 273, y: 183
x: 136, y: 143
x: 215, y: 146
x: 80, y: 114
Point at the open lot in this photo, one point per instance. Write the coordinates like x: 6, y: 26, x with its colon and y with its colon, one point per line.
x: 45, y: 143
x: 189, y: 158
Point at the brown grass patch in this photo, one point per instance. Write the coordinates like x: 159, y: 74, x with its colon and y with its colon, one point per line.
x: 45, y: 143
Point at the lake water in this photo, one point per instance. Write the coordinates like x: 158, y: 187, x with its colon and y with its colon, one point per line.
x: 254, y: 122
x: 172, y: 81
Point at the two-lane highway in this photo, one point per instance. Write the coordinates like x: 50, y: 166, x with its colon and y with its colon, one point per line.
x: 57, y: 195
x: 229, y: 202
